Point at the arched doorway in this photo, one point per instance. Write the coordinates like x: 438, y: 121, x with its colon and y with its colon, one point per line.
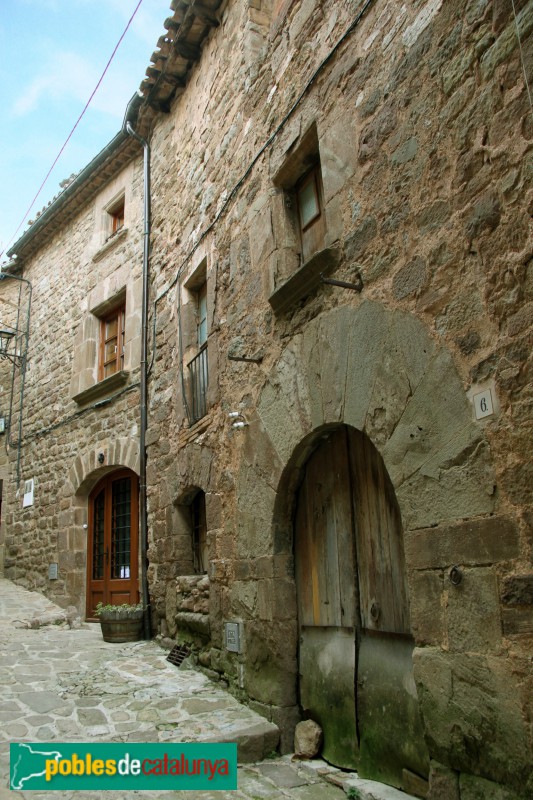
x: 112, y: 545
x: 355, y: 644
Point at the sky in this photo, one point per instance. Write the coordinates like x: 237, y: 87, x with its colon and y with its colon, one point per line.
x: 52, y: 55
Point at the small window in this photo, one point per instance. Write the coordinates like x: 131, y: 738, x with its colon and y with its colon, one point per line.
x: 199, y: 533
x: 115, y: 214
x: 308, y: 200
x: 198, y: 367
x: 310, y: 207
x: 201, y: 314
x: 117, y: 219
x: 112, y: 330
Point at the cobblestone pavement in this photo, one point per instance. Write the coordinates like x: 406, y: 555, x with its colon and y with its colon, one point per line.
x: 65, y: 684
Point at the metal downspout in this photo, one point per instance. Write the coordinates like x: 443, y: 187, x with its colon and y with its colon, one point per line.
x: 143, y: 510
x: 23, y: 364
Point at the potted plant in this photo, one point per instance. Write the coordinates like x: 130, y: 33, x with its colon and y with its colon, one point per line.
x: 122, y: 623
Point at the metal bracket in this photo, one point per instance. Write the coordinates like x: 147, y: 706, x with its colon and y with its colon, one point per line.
x: 356, y: 287
x: 455, y: 575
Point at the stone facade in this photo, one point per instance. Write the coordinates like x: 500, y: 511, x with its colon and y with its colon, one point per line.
x: 64, y: 431
x: 417, y: 118
x: 422, y: 125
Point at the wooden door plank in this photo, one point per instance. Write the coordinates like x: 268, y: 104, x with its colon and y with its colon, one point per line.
x: 379, y: 541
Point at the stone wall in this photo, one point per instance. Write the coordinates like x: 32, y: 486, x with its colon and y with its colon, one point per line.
x: 424, y: 135
x: 71, y: 275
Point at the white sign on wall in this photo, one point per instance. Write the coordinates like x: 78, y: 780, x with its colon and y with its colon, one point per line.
x: 27, y: 500
x: 483, y: 404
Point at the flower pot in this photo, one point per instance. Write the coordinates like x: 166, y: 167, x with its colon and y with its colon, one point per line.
x: 127, y: 629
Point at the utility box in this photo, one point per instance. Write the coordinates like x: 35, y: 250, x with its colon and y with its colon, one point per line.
x: 233, y: 637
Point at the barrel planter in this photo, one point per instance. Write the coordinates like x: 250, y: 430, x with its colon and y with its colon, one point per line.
x: 121, y: 623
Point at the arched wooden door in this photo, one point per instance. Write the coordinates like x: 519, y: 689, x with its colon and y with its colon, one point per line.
x: 112, y: 546
x: 355, y: 651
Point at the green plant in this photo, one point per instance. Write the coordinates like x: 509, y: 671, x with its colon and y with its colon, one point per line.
x: 353, y: 793
x: 124, y: 611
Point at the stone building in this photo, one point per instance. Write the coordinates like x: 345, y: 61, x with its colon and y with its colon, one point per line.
x: 339, y: 479
x: 75, y: 457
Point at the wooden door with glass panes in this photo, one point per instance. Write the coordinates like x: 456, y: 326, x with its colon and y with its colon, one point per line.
x: 112, y: 546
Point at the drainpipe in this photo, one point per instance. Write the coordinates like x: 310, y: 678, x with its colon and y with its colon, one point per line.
x: 23, y: 363
x: 143, y: 510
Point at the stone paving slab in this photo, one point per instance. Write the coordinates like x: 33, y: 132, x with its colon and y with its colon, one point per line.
x: 61, y: 682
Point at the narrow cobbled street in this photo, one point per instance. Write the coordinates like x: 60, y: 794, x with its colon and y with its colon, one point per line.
x: 61, y: 682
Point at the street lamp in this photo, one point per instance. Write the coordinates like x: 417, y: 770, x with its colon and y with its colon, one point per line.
x: 6, y: 337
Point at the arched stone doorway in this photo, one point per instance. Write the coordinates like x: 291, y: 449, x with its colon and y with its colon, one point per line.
x: 381, y: 372
x: 89, y: 470
x: 355, y: 644
x: 112, y: 542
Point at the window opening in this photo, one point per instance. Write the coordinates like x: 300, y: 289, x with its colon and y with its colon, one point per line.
x: 308, y: 200
x: 198, y: 367
x: 199, y: 533
x: 112, y: 331
x: 116, y: 215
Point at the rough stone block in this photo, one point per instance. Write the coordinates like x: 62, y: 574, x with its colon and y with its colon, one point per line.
x: 473, y: 613
x: 517, y: 590
x: 475, y: 542
x: 369, y: 325
x: 410, y: 278
x: 286, y: 719
x: 443, y: 783
x: 428, y: 622
x: 517, y: 621
x: 427, y: 427
x: 472, y: 714
x: 308, y: 739
x: 475, y: 788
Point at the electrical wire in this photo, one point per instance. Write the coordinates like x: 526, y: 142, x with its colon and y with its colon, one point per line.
x: 522, y: 56
x: 106, y: 401
x: 41, y: 187
x: 219, y: 215
x: 273, y: 136
x: 268, y: 142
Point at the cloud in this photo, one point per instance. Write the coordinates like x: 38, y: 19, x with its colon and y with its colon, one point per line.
x: 64, y: 75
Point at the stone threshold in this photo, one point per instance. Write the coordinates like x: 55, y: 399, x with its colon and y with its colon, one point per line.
x: 365, y: 789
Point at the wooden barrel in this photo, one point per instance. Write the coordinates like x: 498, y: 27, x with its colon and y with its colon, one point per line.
x: 121, y: 630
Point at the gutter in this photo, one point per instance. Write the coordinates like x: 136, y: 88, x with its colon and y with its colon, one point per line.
x: 143, y: 509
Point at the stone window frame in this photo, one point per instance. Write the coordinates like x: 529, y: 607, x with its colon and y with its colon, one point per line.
x: 302, y: 254
x: 91, y: 343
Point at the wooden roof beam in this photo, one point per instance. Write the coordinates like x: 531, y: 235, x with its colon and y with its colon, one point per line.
x: 205, y: 14
x: 187, y: 50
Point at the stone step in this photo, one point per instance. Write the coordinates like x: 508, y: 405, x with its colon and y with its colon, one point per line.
x: 255, y: 741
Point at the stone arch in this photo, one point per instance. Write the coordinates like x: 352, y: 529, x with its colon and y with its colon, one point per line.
x: 379, y: 371
x: 86, y: 470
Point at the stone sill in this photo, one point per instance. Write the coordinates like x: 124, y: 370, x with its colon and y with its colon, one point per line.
x: 197, y: 428
x: 102, y: 388
x: 110, y: 243
x: 305, y: 279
